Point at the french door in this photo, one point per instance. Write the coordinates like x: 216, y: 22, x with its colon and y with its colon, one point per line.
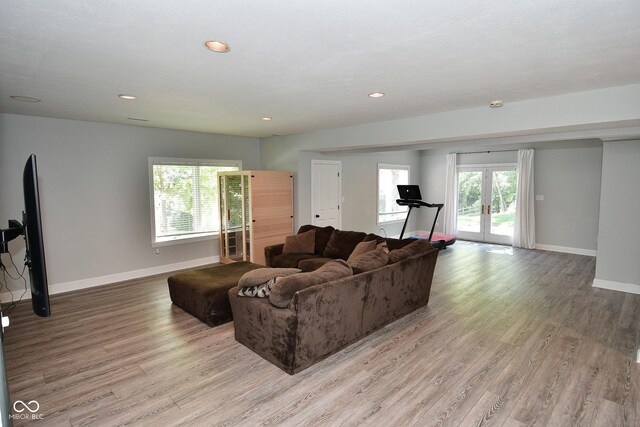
x: 487, y: 203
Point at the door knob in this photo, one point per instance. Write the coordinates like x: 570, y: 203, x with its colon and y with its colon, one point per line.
x: 317, y: 216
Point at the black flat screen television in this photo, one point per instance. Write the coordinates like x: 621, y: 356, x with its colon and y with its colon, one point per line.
x: 32, y: 224
x: 31, y: 228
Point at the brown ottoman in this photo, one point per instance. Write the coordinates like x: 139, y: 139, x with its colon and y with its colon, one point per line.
x: 203, y: 292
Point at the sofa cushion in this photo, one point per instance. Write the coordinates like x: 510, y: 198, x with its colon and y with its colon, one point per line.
x: 285, y: 287
x: 368, y: 261
x: 342, y: 243
x: 391, y: 243
x: 384, y: 246
x: 290, y: 260
x: 303, y: 243
x: 375, y: 237
x: 263, y: 275
x: 414, y: 248
x: 361, y: 248
x: 323, y: 234
x: 312, y: 264
x: 394, y: 244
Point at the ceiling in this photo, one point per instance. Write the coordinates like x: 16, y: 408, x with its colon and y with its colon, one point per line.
x: 307, y: 64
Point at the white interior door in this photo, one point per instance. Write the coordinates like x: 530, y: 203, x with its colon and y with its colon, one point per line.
x: 326, y: 193
x: 487, y: 203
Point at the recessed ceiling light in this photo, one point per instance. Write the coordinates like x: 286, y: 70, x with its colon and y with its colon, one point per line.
x: 127, y: 97
x: 267, y: 119
x: 137, y: 120
x: 217, y: 46
x: 496, y: 104
x: 25, y: 98
x: 376, y: 95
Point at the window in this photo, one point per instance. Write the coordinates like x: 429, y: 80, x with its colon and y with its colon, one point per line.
x: 389, y: 177
x: 184, y: 198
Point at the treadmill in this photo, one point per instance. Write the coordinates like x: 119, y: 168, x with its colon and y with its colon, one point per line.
x: 410, y: 196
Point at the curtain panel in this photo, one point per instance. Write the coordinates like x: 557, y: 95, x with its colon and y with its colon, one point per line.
x: 451, y: 195
x: 524, y: 235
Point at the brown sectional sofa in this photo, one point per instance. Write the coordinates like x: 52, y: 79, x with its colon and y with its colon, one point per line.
x: 329, y: 244
x: 322, y: 319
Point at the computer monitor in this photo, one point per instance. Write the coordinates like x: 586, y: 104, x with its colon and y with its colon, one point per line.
x: 409, y: 192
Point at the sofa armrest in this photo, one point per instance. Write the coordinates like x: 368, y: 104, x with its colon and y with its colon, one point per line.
x: 270, y: 252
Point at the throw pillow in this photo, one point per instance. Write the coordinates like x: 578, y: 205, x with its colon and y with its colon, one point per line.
x: 263, y: 275
x: 303, y: 243
x: 361, y: 248
x: 286, y: 287
x: 415, y: 248
x: 342, y: 243
x: 368, y: 261
x: 259, y: 291
x: 323, y: 234
x: 382, y: 241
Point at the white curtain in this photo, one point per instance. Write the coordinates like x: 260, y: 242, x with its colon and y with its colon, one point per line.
x: 451, y: 195
x: 524, y: 235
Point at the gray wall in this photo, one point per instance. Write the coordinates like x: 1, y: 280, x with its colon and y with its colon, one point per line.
x: 359, y: 188
x: 567, y: 174
x: 432, y: 179
x: 569, y: 179
x: 94, y: 187
x: 619, y: 239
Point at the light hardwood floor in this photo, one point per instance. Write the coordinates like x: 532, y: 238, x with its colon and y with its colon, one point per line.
x: 510, y: 337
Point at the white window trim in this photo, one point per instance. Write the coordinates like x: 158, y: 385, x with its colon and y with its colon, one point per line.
x: 195, y: 237
x: 388, y: 166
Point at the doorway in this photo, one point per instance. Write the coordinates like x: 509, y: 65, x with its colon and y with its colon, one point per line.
x: 326, y: 193
x: 487, y: 203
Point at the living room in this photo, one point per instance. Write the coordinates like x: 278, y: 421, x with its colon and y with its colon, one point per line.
x: 94, y: 177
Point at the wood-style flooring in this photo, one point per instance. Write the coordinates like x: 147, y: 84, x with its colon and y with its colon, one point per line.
x: 510, y: 337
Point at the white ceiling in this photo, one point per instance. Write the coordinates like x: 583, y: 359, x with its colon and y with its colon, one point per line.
x: 309, y: 64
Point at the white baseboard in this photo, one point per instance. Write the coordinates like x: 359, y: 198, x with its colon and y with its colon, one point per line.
x: 58, y: 288
x: 629, y: 288
x: 577, y: 251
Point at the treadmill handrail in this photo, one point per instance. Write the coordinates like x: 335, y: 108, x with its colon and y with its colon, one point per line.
x: 417, y: 203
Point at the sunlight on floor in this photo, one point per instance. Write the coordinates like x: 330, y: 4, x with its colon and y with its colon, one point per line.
x: 487, y: 247
x: 504, y: 250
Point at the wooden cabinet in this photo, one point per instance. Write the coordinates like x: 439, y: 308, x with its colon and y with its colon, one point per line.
x: 256, y: 210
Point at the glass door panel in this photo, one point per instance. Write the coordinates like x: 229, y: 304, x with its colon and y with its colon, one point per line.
x: 224, y: 224
x: 234, y: 217
x: 502, y: 209
x: 246, y: 217
x: 487, y: 203
x: 470, y: 207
